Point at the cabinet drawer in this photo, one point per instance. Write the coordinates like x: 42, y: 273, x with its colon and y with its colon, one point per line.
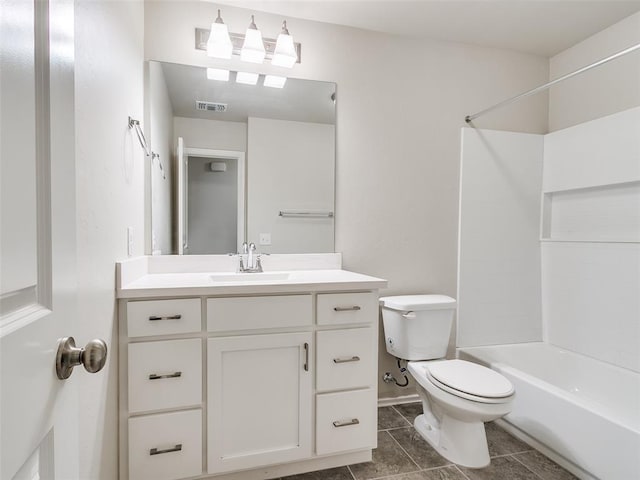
x: 163, y: 317
x: 249, y: 313
x: 345, y: 359
x: 345, y: 421
x: 166, y: 446
x: 165, y: 374
x: 343, y: 308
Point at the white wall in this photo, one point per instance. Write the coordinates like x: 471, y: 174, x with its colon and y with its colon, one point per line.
x: 401, y: 103
x: 109, y: 198
x: 591, y: 246
x: 290, y: 166
x: 607, y: 89
x: 499, y: 251
x: 161, y: 140
x: 213, y: 134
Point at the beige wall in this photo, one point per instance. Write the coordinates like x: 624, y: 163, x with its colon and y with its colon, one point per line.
x: 610, y: 88
x: 213, y: 134
x: 161, y: 139
x: 401, y: 104
x: 290, y: 166
x: 109, y: 198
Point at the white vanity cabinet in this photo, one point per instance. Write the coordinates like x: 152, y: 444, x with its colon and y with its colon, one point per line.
x: 247, y: 385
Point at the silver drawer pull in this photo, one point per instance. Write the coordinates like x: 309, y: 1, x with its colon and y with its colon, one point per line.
x: 346, y: 309
x: 353, y: 421
x: 153, y: 318
x: 153, y: 376
x: 355, y: 358
x: 155, y: 451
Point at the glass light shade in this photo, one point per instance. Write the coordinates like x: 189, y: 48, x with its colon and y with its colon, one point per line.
x: 253, y: 49
x: 285, y: 54
x: 218, y: 74
x: 219, y: 44
x: 274, y: 81
x: 247, y: 78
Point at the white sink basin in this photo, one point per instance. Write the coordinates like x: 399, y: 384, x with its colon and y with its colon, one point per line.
x: 250, y: 277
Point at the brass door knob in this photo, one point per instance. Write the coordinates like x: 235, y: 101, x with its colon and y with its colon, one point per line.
x: 93, y: 356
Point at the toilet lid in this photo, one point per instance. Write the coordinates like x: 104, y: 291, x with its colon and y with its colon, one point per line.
x: 470, y: 378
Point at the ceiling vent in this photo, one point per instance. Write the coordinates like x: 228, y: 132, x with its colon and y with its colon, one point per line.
x: 211, y: 106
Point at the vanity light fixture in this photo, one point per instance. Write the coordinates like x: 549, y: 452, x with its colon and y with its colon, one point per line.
x: 247, y: 78
x: 285, y: 54
x: 218, y: 74
x: 253, y: 48
x: 274, y: 81
x: 219, y: 44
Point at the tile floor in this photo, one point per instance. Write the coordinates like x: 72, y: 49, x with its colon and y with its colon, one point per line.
x: 403, y: 455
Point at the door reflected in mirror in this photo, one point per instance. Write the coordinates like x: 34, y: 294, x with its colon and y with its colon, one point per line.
x: 239, y: 163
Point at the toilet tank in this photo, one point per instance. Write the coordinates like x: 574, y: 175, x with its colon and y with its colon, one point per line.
x: 417, y: 327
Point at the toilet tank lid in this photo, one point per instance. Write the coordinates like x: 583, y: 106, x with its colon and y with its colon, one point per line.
x: 418, y: 302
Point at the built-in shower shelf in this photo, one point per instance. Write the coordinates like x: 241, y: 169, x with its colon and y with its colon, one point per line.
x: 597, y: 214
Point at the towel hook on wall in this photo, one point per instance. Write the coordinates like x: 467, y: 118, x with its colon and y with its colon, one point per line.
x: 135, y: 124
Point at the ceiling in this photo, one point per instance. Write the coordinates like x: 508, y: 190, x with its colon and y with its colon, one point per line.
x: 542, y: 27
x: 299, y: 100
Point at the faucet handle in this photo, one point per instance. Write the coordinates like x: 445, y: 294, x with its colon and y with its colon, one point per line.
x: 252, y: 247
x: 245, y: 247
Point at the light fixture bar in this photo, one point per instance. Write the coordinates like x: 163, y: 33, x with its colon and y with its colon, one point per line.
x: 237, y: 39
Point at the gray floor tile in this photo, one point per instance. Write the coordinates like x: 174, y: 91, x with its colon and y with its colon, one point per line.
x: 544, y: 467
x: 410, y: 410
x: 388, y: 459
x: 388, y: 417
x: 501, y: 468
x: 418, y: 449
x: 340, y: 473
x: 444, y: 473
x: 502, y: 443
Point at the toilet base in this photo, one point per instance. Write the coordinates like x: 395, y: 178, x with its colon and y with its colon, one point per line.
x: 463, y: 443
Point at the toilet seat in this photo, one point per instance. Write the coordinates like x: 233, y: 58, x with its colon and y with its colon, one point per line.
x: 469, y: 380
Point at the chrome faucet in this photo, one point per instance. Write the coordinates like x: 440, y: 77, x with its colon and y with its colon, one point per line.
x: 253, y: 260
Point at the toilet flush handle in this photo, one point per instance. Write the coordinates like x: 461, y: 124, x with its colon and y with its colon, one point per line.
x: 409, y: 315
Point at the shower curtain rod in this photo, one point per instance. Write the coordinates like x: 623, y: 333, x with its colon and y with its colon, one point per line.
x: 469, y: 118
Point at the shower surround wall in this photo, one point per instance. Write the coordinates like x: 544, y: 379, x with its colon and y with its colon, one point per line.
x: 587, y: 256
x: 591, y: 239
x: 572, y: 227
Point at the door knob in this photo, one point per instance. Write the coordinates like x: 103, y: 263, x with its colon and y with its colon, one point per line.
x: 93, y: 356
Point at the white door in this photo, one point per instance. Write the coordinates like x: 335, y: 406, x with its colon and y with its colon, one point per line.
x: 181, y: 158
x: 250, y: 422
x: 38, y: 412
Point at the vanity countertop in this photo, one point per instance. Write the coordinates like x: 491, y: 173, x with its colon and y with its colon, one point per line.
x: 145, y: 277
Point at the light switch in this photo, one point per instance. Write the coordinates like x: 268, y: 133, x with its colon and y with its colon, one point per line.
x: 265, y: 239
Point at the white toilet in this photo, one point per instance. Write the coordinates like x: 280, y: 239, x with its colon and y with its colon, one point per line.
x: 457, y: 396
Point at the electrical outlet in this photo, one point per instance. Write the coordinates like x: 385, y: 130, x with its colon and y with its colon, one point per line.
x: 265, y: 239
x: 130, y: 241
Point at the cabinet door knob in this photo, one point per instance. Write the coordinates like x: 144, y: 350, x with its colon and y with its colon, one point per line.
x: 154, y: 376
x: 355, y: 358
x: 346, y: 309
x: 155, y: 451
x: 93, y: 356
x: 306, y: 357
x: 346, y: 423
x: 154, y: 318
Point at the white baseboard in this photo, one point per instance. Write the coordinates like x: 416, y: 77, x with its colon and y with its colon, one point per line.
x: 388, y: 401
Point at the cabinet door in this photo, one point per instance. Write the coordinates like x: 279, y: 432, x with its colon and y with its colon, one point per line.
x: 259, y: 400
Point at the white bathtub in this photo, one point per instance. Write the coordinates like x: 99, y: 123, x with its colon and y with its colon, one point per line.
x: 583, y: 412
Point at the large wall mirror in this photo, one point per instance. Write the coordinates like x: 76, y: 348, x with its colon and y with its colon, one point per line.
x: 234, y: 162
